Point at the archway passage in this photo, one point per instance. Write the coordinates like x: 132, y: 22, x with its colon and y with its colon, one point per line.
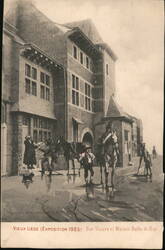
x: 88, y: 139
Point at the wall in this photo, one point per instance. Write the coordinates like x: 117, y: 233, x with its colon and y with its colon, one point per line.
x: 10, y: 91
x: 126, y: 126
x: 85, y: 117
x: 60, y: 102
x: 109, y: 80
x: 75, y: 65
x: 85, y: 75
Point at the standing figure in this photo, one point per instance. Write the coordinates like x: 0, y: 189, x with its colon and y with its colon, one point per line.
x: 148, y: 164
x: 100, y: 157
x: 69, y: 153
x: 154, y: 153
x: 86, y: 159
x: 142, y: 154
x: 29, y: 154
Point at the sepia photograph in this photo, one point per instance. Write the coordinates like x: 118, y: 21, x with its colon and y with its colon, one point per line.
x: 82, y: 118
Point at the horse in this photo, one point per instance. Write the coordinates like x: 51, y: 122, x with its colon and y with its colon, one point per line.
x: 72, y: 151
x: 50, y: 151
x: 107, y: 156
x: 69, y: 153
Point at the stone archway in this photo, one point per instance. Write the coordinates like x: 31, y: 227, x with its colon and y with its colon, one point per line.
x: 87, y: 137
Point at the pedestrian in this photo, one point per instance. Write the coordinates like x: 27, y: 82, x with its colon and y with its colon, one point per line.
x: 148, y: 164
x: 29, y: 154
x: 142, y: 153
x: 154, y: 153
x: 86, y: 159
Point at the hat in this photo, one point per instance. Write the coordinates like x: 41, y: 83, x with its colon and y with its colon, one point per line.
x: 27, y: 137
x: 87, y: 147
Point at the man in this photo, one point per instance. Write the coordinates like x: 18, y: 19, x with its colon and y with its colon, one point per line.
x: 86, y: 159
x: 148, y: 163
x: 154, y: 154
x: 142, y: 154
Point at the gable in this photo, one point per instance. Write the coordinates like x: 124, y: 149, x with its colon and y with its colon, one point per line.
x: 88, y: 28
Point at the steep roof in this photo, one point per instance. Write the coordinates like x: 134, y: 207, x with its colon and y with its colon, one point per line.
x: 116, y: 111
x: 88, y: 28
x: 36, y: 28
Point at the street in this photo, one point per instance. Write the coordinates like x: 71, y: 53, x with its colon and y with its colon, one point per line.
x: 66, y: 198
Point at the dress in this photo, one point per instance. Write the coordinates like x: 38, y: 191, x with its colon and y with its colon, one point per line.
x: 29, y: 154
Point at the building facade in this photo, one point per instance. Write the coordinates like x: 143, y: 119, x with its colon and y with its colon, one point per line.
x: 57, y: 80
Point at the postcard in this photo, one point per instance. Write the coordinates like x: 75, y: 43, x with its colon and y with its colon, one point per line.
x: 82, y: 124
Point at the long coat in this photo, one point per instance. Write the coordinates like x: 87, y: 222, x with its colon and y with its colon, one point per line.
x: 29, y: 154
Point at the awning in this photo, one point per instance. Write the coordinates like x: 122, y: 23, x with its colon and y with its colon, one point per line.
x: 77, y: 120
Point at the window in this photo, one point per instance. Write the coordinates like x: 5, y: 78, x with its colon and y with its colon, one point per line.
x: 81, y: 58
x: 34, y: 88
x: 107, y: 69
x: 126, y: 135
x: 27, y: 87
x: 30, y: 85
x: 75, y: 52
x: 35, y: 136
x: 42, y: 77
x: 45, y: 86
x: 40, y: 135
x: 87, y: 62
x: 41, y: 129
x: 73, y: 82
x: 42, y: 92
x: 75, y: 90
x: 35, y: 122
x: 47, y: 80
x: 27, y: 70
x: 75, y: 97
x: 34, y: 73
x: 47, y: 94
x: 88, y: 97
x: 27, y: 122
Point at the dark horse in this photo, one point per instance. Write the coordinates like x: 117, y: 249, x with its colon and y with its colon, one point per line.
x: 72, y: 151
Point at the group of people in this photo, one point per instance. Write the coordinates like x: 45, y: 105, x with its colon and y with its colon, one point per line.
x: 107, y: 155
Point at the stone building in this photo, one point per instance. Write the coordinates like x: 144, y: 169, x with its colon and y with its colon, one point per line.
x: 58, y: 79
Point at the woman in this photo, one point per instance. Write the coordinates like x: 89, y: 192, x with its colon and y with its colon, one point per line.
x: 29, y: 154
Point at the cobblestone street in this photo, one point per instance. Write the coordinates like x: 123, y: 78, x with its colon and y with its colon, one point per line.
x: 66, y: 198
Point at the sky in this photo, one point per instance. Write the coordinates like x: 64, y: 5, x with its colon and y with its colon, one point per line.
x: 134, y: 29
